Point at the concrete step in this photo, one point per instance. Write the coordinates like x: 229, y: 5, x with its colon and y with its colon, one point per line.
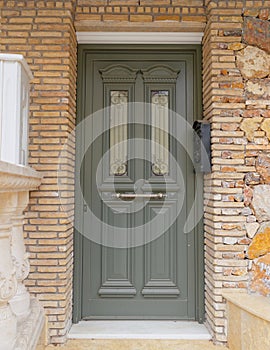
x: 140, y: 344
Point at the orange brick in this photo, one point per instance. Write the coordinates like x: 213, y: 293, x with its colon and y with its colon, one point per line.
x: 166, y: 18
x: 154, y: 2
x: 140, y: 18
x: 114, y: 17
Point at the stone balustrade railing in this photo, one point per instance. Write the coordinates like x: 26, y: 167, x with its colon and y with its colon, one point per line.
x: 20, y: 316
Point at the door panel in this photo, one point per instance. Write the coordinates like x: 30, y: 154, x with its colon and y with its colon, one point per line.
x: 155, y: 276
x: 161, y: 266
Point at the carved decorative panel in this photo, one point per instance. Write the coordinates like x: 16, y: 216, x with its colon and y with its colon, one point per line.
x: 118, y: 74
x: 160, y: 74
x: 161, y: 258
x: 159, y: 132
x: 116, y: 264
x: 118, y: 132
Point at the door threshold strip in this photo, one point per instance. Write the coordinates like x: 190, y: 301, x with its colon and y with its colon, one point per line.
x: 119, y: 329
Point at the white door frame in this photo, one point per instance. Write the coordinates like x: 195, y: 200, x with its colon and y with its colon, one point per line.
x: 139, y: 37
x: 163, y: 38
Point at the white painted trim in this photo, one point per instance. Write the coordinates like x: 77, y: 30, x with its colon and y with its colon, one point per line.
x: 139, y: 37
x: 17, y: 58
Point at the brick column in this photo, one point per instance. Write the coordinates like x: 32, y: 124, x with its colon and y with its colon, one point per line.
x: 223, y: 97
x: 43, y: 32
x: 235, y: 102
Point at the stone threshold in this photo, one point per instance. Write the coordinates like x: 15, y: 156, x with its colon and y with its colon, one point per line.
x: 116, y: 329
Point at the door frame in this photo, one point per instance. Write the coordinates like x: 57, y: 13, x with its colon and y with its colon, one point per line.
x: 195, y: 51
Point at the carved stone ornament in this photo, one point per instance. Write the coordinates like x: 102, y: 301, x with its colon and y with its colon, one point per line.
x: 8, y: 286
x: 160, y: 100
x: 18, y: 178
x: 15, y: 184
x: 22, y: 267
x: 118, y: 73
x: 118, y: 168
x: 160, y: 74
x: 160, y: 168
x: 29, y: 329
x: 8, y: 328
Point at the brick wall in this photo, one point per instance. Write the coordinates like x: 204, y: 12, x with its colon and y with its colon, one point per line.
x: 236, y: 106
x: 140, y: 10
x: 43, y: 32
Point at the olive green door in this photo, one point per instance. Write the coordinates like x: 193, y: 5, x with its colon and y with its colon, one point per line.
x: 137, y: 182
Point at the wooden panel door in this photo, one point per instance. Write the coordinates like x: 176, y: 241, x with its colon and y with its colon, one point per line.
x: 137, y: 262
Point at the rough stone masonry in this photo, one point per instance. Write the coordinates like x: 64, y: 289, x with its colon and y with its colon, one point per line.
x: 254, y: 64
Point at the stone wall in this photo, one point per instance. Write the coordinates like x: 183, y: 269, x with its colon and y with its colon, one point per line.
x: 254, y: 64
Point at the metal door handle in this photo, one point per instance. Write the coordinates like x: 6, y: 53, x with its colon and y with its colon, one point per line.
x: 140, y: 195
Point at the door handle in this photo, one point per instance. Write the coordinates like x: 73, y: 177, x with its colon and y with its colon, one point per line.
x: 140, y: 195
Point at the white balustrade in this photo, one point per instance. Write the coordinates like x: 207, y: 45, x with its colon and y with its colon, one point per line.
x: 14, y: 108
x: 20, y: 303
x: 8, y: 281
x: 21, y: 317
x: 15, y: 184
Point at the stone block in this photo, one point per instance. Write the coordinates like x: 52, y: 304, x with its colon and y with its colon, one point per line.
x: 233, y: 331
x: 248, y: 321
x: 248, y: 195
x: 246, y: 211
x: 260, y: 276
x: 261, y: 243
x: 253, y: 63
x: 258, y: 89
x: 264, y: 14
x: 266, y: 127
x: 261, y: 202
x: 249, y: 126
x: 235, y: 32
x: 236, y: 46
x: 252, y: 228
x: 256, y: 32
x: 252, y: 178
x: 263, y: 167
x: 251, y: 218
x: 230, y: 240
x: 251, y: 12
